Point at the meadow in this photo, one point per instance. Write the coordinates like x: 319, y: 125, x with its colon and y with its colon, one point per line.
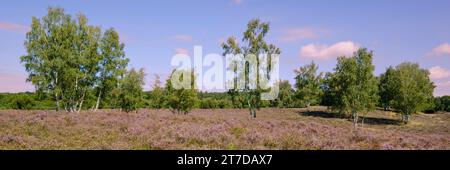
x: 229, y: 129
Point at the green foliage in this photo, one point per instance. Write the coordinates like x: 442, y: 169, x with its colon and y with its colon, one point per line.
x: 181, y: 100
x: 217, y: 99
x: 237, y: 99
x: 112, y: 65
x: 442, y: 103
x: 353, y: 86
x: 23, y: 102
x: 131, y: 90
x: 285, y: 96
x: 387, y: 87
x: 66, y: 58
x: 413, y: 89
x: 254, y: 44
x: 307, y: 83
x: 328, y: 96
x: 209, y: 103
x: 156, y: 96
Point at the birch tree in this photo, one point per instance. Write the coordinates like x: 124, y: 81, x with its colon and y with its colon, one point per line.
x: 131, y: 90
x: 307, y: 83
x: 413, y: 89
x: 112, y: 65
x: 387, y: 88
x: 66, y: 59
x: 354, y: 86
x: 253, y: 44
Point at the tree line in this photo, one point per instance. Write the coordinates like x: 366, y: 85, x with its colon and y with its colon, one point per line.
x: 79, y: 66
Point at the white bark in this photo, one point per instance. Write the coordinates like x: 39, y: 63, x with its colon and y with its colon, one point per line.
x: 98, y: 100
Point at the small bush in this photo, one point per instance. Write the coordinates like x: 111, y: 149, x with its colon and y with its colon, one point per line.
x: 22, y: 102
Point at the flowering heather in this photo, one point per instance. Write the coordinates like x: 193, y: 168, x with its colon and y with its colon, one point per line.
x: 219, y: 129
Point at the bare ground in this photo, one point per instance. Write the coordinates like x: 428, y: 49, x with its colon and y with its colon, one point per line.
x: 313, y: 128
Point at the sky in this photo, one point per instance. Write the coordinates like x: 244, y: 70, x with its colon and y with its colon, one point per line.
x: 320, y: 30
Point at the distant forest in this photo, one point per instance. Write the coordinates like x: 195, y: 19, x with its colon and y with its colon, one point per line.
x: 207, y: 100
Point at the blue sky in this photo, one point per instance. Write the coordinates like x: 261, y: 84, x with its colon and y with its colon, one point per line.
x: 153, y: 31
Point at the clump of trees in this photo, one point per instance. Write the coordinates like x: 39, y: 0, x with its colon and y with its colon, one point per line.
x: 387, y: 88
x: 156, y: 96
x: 69, y: 59
x: 25, y: 101
x: 131, y: 90
x: 442, y: 104
x: 411, y: 89
x: 286, y: 97
x: 181, y: 99
x: 353, y: 87
x: 308, y: 83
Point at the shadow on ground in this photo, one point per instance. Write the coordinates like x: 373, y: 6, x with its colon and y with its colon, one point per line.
x: 380, y: 121
x: 322, y: 114
x: 367, y: 119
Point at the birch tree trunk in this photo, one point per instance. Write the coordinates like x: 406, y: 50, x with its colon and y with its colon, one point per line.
x: 98, y: 100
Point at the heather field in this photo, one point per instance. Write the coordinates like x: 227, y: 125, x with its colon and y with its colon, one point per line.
x: 314, y: 128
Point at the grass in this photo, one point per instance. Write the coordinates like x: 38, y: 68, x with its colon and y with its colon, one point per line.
x: 315, y: 128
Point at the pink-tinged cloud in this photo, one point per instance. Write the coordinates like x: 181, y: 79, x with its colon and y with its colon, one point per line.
x: 441, y: 50
x: 442, y: 88
x: 438, y: 72
x: 181, y: 51
x: 13, y: 82
x: 13, y: 27
x: 237, y: 2
x: 326, y: 52
x: 297, y: 34
x: 184, y: 38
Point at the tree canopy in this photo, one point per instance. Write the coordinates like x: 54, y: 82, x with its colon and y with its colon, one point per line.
x: 254, y: 44
x: 67, y: 58
x: 353, y: 84
x: 308, y: 83
x: 413, y: 89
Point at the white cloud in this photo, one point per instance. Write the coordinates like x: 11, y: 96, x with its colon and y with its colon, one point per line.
x: 441, y: 50
x: 325, y: 52
x: 13, y: 27
x: 296, y: 34
x: 438, y: 72
x: 185, y: 38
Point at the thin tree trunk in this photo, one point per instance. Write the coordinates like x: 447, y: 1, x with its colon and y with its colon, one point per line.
x: 249, y: 107
x: 355, y: 119
x: 362, y: 121
x: 56, y: 94
x: 98, y: 100
x: 57, y: 102
x: 81, y: 105
x: 81, y: 102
